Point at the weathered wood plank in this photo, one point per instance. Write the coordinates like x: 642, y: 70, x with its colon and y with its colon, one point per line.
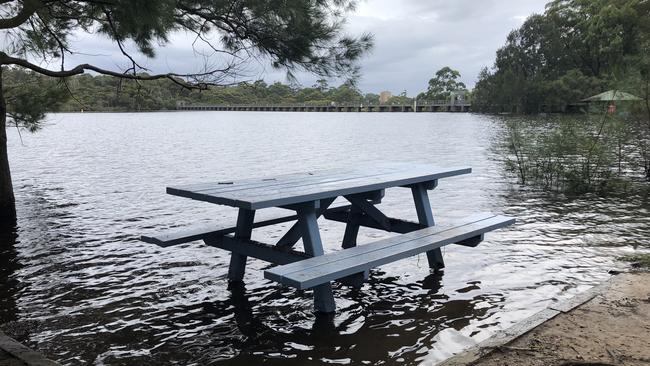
x: 175, y: 237
x: 382, y: 180
x: 291, y: 237
x: 237, y: 267
x: 370, y: 210
x: 396, y: 225
x: 294, y: 178
x: 425, y: 217
x: 323, y: 296
x: 317, y: 179
x: 251, y: 248
x: 275, y: 197
x: 315, y: 271
x: 254, y: 182
x: 384, y: 243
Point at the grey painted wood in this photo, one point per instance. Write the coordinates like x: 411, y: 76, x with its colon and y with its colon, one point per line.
x: 243, y: 231
x: 278, y: 196
x: 425, y: 217
x: 350, y: 240
x: 365, y: 249
x: 291, y: 237
x: 396, y: 225
x: 315, y: 271
x: 351, y: 227
x: 227, y: 185
x: 369, y: 209
x: 289, y: 180
x: 472, y: 242
x: 323, y: 296
x: 299, y: 178
x: 331, y: 175
x: 297, y: 192
x: 175, y: 237
x: 251, y: 248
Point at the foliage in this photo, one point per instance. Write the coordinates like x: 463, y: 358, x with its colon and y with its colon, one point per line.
x: 299, y: 35
x: 573, y: 154
x: 36, y: 94
x: 443, y: 84
x: 638, y: 260
x: 29, y: 95
x: 401, y: 99
x: 291, y: 35
x: 576, y: 49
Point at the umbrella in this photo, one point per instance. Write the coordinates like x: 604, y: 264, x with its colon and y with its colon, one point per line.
x: 611, y: 95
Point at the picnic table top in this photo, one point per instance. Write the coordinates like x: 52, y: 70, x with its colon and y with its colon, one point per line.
x: 288, y: 189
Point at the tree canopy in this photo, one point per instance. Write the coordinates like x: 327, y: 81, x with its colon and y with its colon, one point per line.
x: 443, y: 84
x: 575, y: 49
x: 293, y: 35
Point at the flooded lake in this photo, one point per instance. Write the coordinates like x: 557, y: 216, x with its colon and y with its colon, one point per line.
x: 77, y: 284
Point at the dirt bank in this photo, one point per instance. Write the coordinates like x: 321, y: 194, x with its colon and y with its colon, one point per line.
x: 613, y: 328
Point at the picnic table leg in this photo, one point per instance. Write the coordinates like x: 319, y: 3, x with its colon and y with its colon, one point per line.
x: 352, y: 228
x: 425, y: 217
x: 243, y: 231
x: 323, y: 297
x: 349, y: 241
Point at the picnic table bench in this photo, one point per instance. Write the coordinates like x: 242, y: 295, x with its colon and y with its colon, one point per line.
x: 310, y: 195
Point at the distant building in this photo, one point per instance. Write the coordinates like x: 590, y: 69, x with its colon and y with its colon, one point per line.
x: 384, y: 96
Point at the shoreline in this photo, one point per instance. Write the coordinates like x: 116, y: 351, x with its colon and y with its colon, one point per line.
x: 608, y: 324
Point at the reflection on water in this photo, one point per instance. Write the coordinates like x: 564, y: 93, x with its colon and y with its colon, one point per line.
x: 8, y: 265
x: 77, y: 283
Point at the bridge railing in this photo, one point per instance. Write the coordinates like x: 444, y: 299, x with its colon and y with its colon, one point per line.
x: 460, y: 103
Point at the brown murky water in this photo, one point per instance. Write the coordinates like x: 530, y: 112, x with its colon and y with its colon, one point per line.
x: 76, y: 283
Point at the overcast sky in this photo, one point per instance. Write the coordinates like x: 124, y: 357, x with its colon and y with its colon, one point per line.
x: 413, y: 39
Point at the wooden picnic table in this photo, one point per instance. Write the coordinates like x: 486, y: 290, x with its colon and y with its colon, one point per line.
x: 310, y: 195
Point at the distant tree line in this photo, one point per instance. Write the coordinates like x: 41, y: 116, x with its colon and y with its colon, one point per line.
x: 105, y: 93
x: 575, y: 49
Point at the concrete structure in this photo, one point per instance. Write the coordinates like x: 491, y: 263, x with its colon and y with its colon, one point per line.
x: 430, y: 106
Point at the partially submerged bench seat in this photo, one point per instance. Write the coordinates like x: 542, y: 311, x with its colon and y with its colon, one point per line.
x: 172, y: 236
x: 316, y: 271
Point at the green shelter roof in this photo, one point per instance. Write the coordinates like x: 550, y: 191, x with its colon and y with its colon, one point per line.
x: 611, y: 95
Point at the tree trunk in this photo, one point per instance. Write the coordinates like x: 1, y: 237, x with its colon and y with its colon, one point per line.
x: 7, y: 201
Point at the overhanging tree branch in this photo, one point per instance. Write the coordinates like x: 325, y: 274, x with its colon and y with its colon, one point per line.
x: 28, y: 9
x: 81, y: 68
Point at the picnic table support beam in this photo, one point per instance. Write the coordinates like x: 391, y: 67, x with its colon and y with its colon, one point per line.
x: 369, y: 209
x: 352, y: 227
x: 349, y: 241
x: 243, y: 231
x: 308, y: 222
x: 291, y: 237
x: 425, y: 217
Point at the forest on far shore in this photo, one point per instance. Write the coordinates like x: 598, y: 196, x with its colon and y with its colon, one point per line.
x: 105, y: 93
x: 575, y: 49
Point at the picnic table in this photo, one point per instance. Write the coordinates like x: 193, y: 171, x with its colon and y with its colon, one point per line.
x: 310, y: 195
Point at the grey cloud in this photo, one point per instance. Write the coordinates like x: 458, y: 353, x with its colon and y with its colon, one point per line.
x: 413, y: 39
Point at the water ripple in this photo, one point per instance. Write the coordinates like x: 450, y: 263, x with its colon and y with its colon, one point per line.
x: 77, y: 284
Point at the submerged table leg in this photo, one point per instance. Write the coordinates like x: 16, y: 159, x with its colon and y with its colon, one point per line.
x: 323, y: 297
x: 243, y: 231
x: 349, y: 241
x: 425, y: 217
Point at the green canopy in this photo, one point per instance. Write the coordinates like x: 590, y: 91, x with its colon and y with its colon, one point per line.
x: 611, y: 95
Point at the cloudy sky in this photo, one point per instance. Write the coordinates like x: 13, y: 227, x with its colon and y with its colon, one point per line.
x: 413, y: 39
